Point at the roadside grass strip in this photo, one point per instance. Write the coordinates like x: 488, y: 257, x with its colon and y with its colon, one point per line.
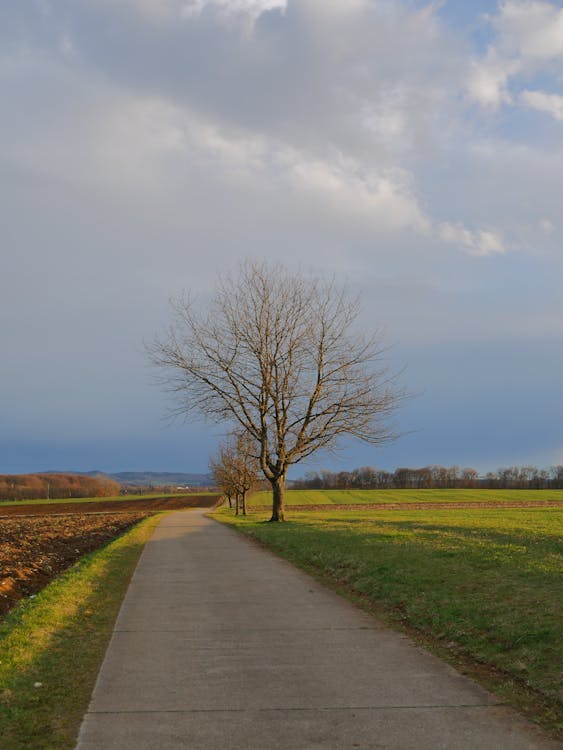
x: 51, y: 646
x: 356, y: 497
x: 480, y: 587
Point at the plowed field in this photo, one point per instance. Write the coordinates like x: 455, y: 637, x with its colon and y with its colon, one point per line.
x: 35, y: 550
x: 152, y: 504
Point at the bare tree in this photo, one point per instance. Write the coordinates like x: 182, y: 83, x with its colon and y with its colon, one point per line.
x: 236, y: 469
x: 219, y: 466
x: 277, y: 354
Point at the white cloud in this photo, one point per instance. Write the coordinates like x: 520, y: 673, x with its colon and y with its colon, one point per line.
x: 170, y: 11
x: 547, y: 226
x: 480, y: 243
x: 552, y: 104
x: 532, y: 30
x: 529, y: 39
x: 385, y: 199
x: 343, y: 106
x: 252, y: 9
x: 136, y: 145
x: 487, y: 82
x: 66, y: 46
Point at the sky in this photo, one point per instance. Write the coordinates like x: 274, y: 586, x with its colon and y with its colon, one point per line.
x: 412, y: 150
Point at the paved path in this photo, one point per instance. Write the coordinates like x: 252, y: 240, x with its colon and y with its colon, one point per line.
x: 221, y: 645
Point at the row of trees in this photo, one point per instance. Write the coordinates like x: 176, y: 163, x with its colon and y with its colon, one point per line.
x: 236, y: 470
x: 37, y: 486
x: 525, y: 477
x: 430, y: 477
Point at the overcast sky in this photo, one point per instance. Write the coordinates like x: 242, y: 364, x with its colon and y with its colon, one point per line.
x: 413, y: 149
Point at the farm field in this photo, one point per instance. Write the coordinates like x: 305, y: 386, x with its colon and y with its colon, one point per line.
x: 114, y: 499
x: 36, y: 550
x: 105, y: 505
x: 52, y: 645
x: 302, y: 498
x: 479, y: 586
x: 38, y: 541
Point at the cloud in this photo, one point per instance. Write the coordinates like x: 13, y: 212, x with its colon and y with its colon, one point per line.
x: 488, y: 79
x: 530, y: 30
x: 130, y: 144
x: 481, y: 242
x: 385, y: 198
x: 552, y: 104
x: 546, y: 226
x: 171, y: 11
x: 250, y: 8
x: 529, y: 40
x: 144, y: 144
x: 342, y: 107
x: 292, y: 107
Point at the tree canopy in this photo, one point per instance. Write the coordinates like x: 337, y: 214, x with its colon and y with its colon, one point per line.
x: 280, y: 356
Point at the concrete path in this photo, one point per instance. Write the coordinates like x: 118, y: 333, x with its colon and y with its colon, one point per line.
x: 219, y: 644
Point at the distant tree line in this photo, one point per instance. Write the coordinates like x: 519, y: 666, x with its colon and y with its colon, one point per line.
x: 59, y: 486
x: 157, y: 489
x: 433, y: 477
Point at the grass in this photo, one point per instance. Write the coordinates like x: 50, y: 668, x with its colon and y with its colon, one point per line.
x: 58, y: 639
x: 480, y: 587
x: 116, y: 498
x: 355, y: 497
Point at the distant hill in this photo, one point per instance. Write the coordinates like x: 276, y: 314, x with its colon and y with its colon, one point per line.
x: 149, y: 478
x: 159, y: 478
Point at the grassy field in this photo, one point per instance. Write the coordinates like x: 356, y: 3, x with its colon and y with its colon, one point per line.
x: 116, y: 498
x: 52, y: 646
x: 480, y: 587
x: 355, y: 497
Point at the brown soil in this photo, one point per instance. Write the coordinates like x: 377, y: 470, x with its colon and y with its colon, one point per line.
x: 35, y: 550
x: 110, y: 506
x: 433, y: 506
x: 37, y: 542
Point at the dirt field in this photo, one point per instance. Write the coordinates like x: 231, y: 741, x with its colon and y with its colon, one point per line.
x: 110, y: 506
x: 35, y: 550
x: 37, y: 542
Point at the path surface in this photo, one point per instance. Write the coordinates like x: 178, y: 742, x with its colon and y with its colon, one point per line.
x: 219, y: 644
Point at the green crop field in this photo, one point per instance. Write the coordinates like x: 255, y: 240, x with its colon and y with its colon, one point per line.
x: 481, y: 587
x: 355, y: 497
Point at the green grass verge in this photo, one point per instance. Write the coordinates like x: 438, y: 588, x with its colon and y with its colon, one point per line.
x: 117, y: 498
x: 480, y: 587
x: 59, y: 639
x: 354, y: 497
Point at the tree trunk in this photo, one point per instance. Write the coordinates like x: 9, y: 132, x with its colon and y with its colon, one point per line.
x: 243, y: 502
x: 278, y: 498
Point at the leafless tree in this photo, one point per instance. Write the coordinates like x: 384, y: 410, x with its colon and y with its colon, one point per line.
x: 278, y: 354
x: 218, y: 465
x: 236, y: 469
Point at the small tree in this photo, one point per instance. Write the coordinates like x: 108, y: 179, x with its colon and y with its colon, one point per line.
x: 236, y: 468
x: 277, y: 354
x: 222, y: 476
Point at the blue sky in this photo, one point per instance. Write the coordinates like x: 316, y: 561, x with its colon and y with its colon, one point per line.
x: 412, y: 149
